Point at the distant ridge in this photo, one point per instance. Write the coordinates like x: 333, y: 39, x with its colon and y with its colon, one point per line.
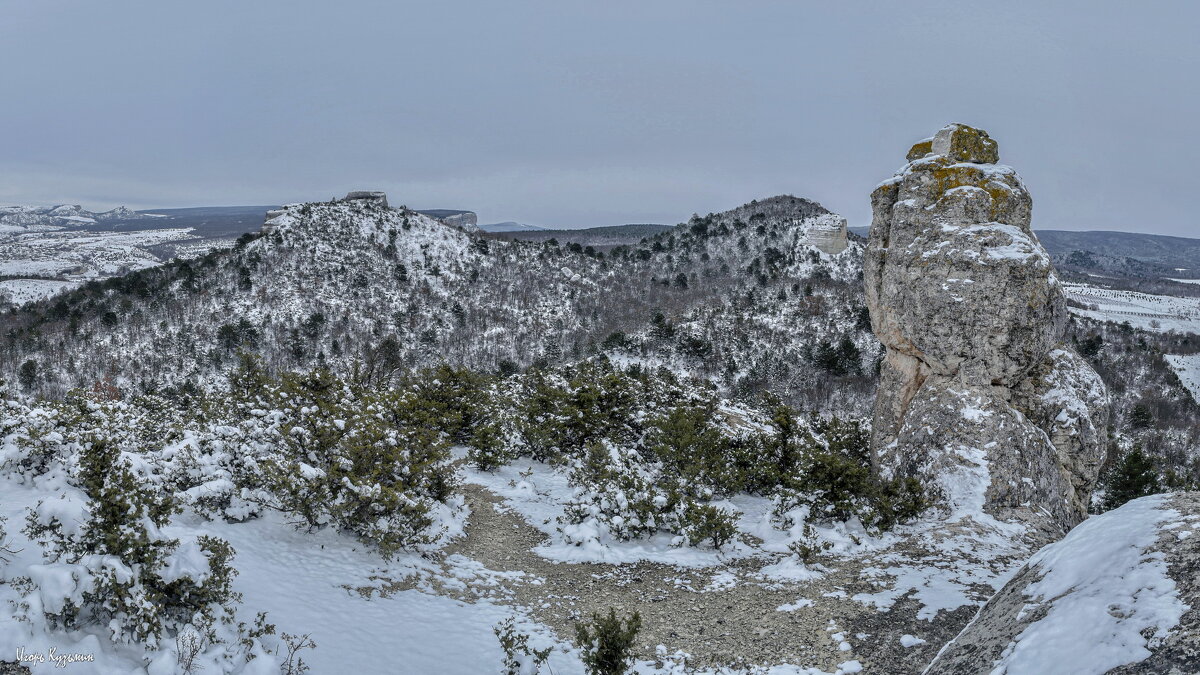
x: 510, y: 226
x: 599, y: 237
x: 1171, y: 253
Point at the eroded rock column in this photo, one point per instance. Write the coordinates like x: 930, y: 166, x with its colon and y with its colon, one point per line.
x: 967, y: 304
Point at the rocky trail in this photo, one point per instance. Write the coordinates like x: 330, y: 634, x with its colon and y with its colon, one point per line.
x: 725, y: 615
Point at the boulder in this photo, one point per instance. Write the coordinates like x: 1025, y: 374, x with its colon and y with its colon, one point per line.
x: 965, y: 299
x: 962, y: 143
x: 1066, y: 398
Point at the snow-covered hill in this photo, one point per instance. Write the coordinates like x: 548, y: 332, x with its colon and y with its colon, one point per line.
x: 348, y: 281
x: 636, y: 467
x: 43, y: 218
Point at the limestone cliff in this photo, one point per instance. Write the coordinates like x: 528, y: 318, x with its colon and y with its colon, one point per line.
x: 967, y: 304
x: 828, y: 232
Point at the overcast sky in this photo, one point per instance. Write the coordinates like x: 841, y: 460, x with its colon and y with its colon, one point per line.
x: 571, y: 113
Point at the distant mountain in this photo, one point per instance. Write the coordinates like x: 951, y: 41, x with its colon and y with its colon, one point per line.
x: 441, y: 214
x: 41, y: 218
x: 510, y: 226
x: 205, y: 221
x: 467, y: 220
x: 1172, y: 252
x: 1125, y: 253
x: 602, y: 238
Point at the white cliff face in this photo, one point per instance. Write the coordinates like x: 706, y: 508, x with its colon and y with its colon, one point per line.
x: 827, y: 232
x: 966, y: 302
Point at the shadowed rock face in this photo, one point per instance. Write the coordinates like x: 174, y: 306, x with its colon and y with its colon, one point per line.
x: 966, y: 302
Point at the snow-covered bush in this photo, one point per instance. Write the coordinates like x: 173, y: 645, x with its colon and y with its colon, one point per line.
x: 371, y: 462
x: 606, y: 642
x: 32, y: 439
x: 618, y: 494
x: 109, y: 565
x: 5, y: 550
x: 519, y: 657
x: 215, y: 471
x: 558, y: 415
x: 648, y: 453
x: 835, y: 482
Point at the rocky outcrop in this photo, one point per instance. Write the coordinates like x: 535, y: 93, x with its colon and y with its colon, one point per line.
x: 371, y: 196
x: 466, y: 221
x: 967, y: 304
x: 827, y: 232
x: 1120, y: 594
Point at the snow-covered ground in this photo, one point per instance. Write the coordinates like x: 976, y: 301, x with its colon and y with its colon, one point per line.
x: 1157, y: 313
x: 1188, y: 369
x: 56, y: 259
x: 317, y: 584
x: 21, y: 291
x: 539, y: 494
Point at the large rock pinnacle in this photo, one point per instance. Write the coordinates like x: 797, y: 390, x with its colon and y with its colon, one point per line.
x: 966, y: 302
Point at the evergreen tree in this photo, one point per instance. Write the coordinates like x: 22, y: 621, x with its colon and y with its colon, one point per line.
x: 606, y: 642
x: 1140, y: 417
x: 1134, y: 476
x: 28, y: 375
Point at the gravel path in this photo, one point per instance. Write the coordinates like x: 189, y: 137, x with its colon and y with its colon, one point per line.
x: 720, y: 616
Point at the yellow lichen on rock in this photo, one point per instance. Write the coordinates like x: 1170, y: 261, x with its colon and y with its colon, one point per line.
x: 920, y: 149
x: 966, y: 144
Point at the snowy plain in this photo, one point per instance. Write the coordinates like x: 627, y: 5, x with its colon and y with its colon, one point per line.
x: 1156, y: 313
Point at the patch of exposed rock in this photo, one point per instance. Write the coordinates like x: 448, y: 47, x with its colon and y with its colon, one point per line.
x: 828, y: 232
x: 370, y: 196
x: 1118, y: 595
x: 967, y: 304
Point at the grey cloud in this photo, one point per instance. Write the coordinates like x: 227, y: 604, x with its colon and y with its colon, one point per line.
x: 562, y: 113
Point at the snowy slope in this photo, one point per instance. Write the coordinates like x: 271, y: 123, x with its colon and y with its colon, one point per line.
x: 1188, y: 370
x: 1103, y: 597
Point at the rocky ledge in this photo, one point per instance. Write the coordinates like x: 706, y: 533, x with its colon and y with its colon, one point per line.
x: 1118, y: 595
